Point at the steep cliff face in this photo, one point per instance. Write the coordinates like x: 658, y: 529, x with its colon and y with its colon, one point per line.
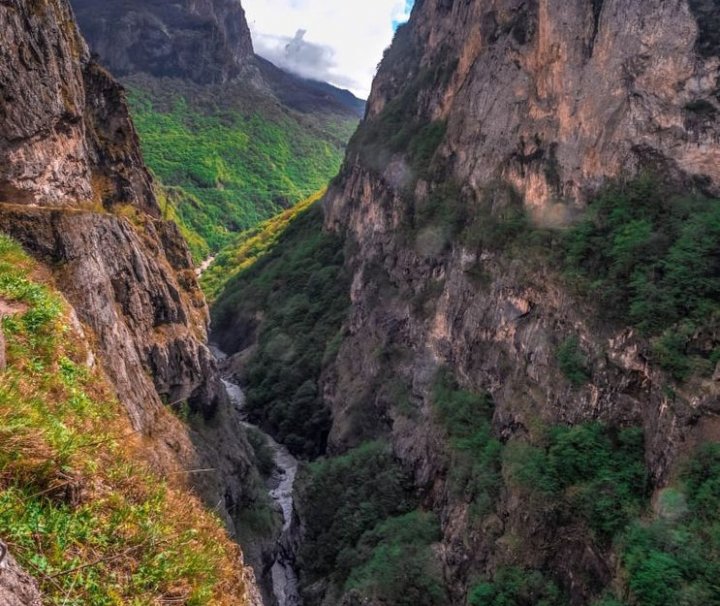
x: 63, y: 137
x: 202, y: 41
x: 129, y: 277
x: 481, y: 110
x: 75, y: 192
x: 206, y: 41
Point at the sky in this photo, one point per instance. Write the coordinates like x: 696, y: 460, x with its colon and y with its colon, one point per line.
x: 336, y: 41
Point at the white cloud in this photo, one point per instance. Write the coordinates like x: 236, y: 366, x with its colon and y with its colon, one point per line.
x: 339, y: 41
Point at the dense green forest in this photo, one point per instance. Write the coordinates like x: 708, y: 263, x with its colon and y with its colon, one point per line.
x: 299, y: 289
x: 227, y: 168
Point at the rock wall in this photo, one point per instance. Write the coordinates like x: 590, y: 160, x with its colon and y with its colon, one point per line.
x: 65, y: 137
x: 206, y: 41
x: 17, y: 588
x: 546, y: 100
x: 75, y: 192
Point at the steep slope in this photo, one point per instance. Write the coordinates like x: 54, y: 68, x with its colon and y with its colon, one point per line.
x: 80, y: 506
x: 530, y: 219
x: 76, y: 195
x: 234, y: 138
x: 204, y: 41
x: 489, y: 128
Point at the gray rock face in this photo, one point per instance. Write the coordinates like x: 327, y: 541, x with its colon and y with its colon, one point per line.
x: 206, y: 41
x: 75, y: 192
x: 547, y: 98
x: 17, y: 588
x: 65, y: 136
x: 123, y: 287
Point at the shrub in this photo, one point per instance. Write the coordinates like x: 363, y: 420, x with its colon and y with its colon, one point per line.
x: 517, y: 587
x: 572, y: 362
x: 475, y: 455
x: 589, y: 471
x: 345, y: 497
x: 394, y: 562
x: 675, y: 559
x: 650, y: 258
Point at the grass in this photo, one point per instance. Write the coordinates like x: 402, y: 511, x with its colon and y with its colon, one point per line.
x: 228, y: 170
x: 249, y: 247
x: 79, y: 507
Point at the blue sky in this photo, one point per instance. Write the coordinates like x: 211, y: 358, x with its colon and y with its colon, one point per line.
x: 338, y: 41
x: 408, y: 7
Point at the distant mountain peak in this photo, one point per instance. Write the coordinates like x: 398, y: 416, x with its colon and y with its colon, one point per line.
x: 206, y: 41
x: 202, y: 41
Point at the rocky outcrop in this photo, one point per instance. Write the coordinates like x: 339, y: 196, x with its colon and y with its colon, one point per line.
x: 206, y: 41
x: 149, y: 317
x: 17, y: 588
x: 75, y: 192
x: 541, y: 101
x: 65, y: 138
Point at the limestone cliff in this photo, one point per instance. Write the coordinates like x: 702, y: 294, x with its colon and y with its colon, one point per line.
x: 541, y: 102
x: 75, y: 193
x: 206, y: 41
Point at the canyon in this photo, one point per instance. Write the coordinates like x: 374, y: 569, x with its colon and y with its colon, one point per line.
x: 482, y: 369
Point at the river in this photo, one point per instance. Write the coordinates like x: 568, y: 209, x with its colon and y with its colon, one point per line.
x: 280, y: 488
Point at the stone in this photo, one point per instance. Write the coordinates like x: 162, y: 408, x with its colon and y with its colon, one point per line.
x: 546, y: 100
x: 17, y: 587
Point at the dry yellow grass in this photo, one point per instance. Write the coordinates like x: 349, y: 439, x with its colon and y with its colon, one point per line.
x: 80, y: 507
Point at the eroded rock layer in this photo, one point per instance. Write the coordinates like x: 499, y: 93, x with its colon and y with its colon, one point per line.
x: 75, y: 192
x: 481, y: 105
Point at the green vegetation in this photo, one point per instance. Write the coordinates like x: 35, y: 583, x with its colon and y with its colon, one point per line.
x: 587, y: 471
x: 249, y: 247
x: 572, y: 362
x: 517, y: 587
x: 675, y: 559
x: 345, y: 497
x: 79, y: 507
x: 300, y: 290
x: 475, y: 455
x: 363, y: 532
x: 400, y: 127
x: 646, y: 255
x: 394, y: 563
x: 228, y: 170
x: 651, y: 260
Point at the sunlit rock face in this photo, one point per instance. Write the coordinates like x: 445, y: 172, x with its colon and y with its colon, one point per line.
x: 539, y: 103
x: 75, y: 192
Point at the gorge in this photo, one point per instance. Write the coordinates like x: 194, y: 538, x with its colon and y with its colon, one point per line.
x: 482, y: 368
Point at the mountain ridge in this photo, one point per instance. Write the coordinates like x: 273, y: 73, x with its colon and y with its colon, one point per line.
x: 171, y: 40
